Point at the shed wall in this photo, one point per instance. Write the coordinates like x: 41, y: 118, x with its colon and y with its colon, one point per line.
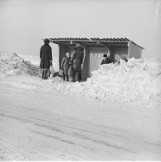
x: 134, y: 51
x: 96, y: 56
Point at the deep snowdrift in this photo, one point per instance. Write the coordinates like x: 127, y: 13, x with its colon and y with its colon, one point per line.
x: 135, y: 80
x: 12, y: 64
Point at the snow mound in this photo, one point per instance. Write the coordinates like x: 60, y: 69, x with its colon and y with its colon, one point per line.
x: 131, y: 80
x: 12, y: 64
x: 135, y: 80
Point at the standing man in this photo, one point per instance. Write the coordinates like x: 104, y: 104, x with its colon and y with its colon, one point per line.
x: 77, y: 60
x: 46, y: 58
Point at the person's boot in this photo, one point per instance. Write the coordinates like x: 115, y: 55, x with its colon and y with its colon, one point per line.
x: 43, y: 74
x: 48, y: 73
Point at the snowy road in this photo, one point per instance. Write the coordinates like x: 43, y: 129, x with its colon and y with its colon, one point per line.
x: 39, y: 123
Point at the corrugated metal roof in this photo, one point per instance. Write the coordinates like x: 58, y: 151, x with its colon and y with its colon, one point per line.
x: 92, y: 40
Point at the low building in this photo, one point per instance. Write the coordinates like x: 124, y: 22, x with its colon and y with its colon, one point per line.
x: 94, y: 49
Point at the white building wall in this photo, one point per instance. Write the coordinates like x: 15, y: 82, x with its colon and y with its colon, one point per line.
x: 134, y: 51
x: 96, y: 56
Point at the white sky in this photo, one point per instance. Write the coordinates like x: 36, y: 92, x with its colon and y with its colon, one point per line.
x: 24, y: 23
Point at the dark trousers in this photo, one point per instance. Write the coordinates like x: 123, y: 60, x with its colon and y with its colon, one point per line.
x: 45, y: 73
x: 76, y: 76
x: 65, y: 77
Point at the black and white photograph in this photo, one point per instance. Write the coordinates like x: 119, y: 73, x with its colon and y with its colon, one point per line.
x: 80, y: 80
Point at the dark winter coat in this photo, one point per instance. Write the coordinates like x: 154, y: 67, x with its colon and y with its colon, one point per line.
x: 77, y: 59
x: 65, y: 65
x: 45, y: 56
x: 106, y: 61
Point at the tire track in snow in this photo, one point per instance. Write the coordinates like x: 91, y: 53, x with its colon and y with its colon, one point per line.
x: 55, y: 137
x: 75, y: 135
x: 63, y: 132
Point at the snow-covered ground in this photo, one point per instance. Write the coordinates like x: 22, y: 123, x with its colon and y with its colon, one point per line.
x: 115, y: 115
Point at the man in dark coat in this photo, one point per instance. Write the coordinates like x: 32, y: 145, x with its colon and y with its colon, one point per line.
x: 46, y: 58
x: 65, y: 63
x: 106, y: 60
x: 77, y: 60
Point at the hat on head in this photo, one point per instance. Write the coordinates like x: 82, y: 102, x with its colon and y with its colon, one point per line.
x: 78, y: 46
x: 105, y: 55
x: 46, y: 41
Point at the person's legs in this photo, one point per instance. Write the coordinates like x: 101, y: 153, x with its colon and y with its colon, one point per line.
x: 70, y: 74
x: 63, y: 76
x: 80, y: 76
x: 74, y: 75
x: 48, y: 73
x: 66, y: 77
x: 77, y: 76
x: 43, y: 73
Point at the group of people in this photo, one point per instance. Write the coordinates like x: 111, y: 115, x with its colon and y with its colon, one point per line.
x: 71, y: 65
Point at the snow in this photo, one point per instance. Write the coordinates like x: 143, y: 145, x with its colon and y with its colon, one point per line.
x: 137, y: 80
x: 115, y: 115
x: 11, y: 64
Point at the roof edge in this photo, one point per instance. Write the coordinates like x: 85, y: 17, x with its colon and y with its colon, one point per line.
x: 121, y: 40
